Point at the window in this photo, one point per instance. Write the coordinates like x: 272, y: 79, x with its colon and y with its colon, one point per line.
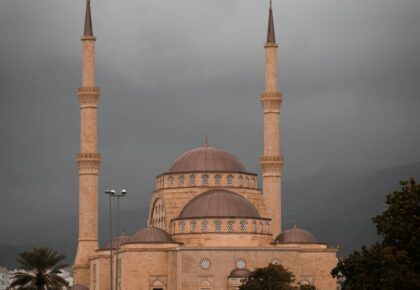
x: 193, y: 226
x: 217, y: 179
x: 205, y: 226
x: 275, y: 261
x: 241, y: 180
x: 192, y: 180
x: 158, y: 215
x: 240, y: 263
x: 267, y: 227
x: 205, y: 179
x: 181, y: 226
x: 230, y: 226
x: 230, y: 180
x: 181, y: 180
x: 243, y: 226
x: 247, y: 182
x: 171, y: 181
x: 205, y: 263
x: 254, y: 226
x: 217, y: 225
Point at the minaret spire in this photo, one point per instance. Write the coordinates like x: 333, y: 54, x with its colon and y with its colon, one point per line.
x: 88, y: 159
x: 88, y: 21
x: 271, y: 162
x: 271, y: 35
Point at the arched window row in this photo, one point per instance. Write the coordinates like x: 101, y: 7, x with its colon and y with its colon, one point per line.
x: 158, y: 218
x: 221, y: 226
x: 234, y: 180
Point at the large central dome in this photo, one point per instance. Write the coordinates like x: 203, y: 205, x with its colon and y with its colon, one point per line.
x: 219, y: 203
x: 206, y: 159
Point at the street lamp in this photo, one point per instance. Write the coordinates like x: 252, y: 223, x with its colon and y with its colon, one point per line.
x: 118, y: 195
x: 111, y: 193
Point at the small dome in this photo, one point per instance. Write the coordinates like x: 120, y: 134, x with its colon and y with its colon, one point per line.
x: 150, y: 235
x: 219, y: 203
x: 79, y: 287
x: 295, y: 236
x: 206, y: 159
x: 122, y: 239
x: 240, y: 273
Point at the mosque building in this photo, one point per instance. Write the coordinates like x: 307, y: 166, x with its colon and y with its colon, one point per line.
x: 209, y: 223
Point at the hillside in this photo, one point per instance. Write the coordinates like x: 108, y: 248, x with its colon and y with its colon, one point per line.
x: 340, y: 212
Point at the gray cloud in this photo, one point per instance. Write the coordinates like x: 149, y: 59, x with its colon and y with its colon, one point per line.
x: 173, y: 71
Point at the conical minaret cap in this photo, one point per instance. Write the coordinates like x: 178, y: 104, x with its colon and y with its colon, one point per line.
x: 88, y: 21
x: 271, y: 36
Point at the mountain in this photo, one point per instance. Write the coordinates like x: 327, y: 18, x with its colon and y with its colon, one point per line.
x: 336, y: 205
x: 338, y: 211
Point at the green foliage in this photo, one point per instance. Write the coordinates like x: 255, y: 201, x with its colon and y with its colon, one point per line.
x: 393, y: 263
x: 40, y: 268
x: 272, y: 277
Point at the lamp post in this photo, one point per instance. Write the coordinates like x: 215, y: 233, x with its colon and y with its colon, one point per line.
x: 118, y: 195
x: 111, y: 193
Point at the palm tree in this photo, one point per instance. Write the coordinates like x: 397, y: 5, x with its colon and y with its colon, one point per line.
x: 39, y: 270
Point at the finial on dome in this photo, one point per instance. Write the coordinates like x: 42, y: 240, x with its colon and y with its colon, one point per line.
x: 206, y: 141
x: 271, y: 36
x: 88, y: 21
x: 295, y: 226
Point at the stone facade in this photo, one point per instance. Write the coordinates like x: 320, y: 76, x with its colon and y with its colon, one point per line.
x: 209, y: 223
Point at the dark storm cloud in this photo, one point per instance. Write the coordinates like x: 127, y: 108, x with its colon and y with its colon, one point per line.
x: 172, y: 72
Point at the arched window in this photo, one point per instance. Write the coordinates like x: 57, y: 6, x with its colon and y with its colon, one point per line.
x: 217, y: 179
x: 192, y: 179
x: 205, y: 226
x: 205, y: 179
x: 158, y: 218
x: 171, y: 181
x: 217, y: 225
x: 230, y: 180
x: 254, y: 226
x: 243, y: 226
x: 181, y: 180
x: 230, y: 226
x: 247, y: 181
x: 193, y: 226
x: 267, y: 227
x: 240, y: 180
x: 181, y: 226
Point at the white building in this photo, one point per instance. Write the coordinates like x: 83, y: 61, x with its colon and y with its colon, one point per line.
x: 4, y: 278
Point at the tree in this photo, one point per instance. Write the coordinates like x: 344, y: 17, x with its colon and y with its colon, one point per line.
x: 272, y: 277
x: 40, y: 269
x: 393, y: 263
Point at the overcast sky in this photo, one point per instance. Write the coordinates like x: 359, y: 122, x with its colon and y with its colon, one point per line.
x: 172, y: 72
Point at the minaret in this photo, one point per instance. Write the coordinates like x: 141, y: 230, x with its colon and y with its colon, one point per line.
x: 271, y: 162
x: 88, y: 160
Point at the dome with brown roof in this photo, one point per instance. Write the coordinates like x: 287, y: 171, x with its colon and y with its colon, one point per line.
x: 150, y: 235
x: 240, y: 273
x: 219, y: 203
x: 296, y: 236
x: 206, y: 159
x: 122, y: 239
